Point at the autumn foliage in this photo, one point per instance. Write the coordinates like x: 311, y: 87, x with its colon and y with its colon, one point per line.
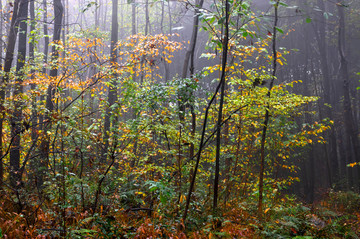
x: 80, y: 178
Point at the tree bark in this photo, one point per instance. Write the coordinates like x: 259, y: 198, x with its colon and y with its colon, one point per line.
x: 191, y: 49
x: 350, y: 125
x: 189, y: 59
x: 133, y: 17
x: 17, y: 117
x: 1, y: 113
x: 46, y: 52
x: 267, y: 114
x: 220, y: 114
x: 112, y: 97
x: 45, y: 144
x: 320, y: 33
x: 147, y: 18
x: 9, y: 56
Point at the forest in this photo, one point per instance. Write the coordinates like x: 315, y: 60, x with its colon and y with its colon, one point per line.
x: 179, y: 119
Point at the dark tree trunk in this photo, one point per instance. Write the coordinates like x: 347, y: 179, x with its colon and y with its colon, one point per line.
x: 1, y: 90
x: 189, y: 59
x: 45, y: 144
x: 46, y: 52
x: 112, y: 97
x: 220, y: 114
x: 351, y: 129
x: 31, y: 59
x: 202, y: 142
x: 267, y: 114
x: 34, y: 117
x: 16, y: 119
x: 191, y: 49
x: 9, y: 56
x: 320, y: 33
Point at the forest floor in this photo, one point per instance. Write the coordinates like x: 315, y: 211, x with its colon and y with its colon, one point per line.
x: 336, y: 216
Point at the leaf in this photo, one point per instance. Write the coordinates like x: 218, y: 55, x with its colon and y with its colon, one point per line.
x: 326, y: 15
x: 283, y: 4
x: 308, y: 20
x: 279, y: 30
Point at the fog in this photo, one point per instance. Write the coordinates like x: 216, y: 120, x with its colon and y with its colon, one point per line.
x: 110, y: 97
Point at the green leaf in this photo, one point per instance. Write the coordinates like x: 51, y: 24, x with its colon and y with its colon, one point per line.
x: 308, y: 20
x: 326, y: 15
x: 283, y: 4
x: 279, y: 30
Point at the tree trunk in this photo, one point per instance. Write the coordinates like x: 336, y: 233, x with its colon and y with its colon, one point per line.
x: 320, y: 33
x: 220, y: 114
x: 1, y: 113
x: 9, y: 56
x: 189, y: 58
x: 133, y: 17
x: 31, y: 59
x: 16, y: 118
x: 45, y: 144
x: 191, y: 49
x: 267, y: 115
x: 147, y: 18
x: 350, y: 125
x: 112, y: 97
x: 46, y: 52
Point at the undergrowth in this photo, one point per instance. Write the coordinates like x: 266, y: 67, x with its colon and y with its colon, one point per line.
x: 337, y: 216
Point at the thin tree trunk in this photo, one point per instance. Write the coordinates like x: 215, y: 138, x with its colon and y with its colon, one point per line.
x: 133, y: 17
x: 1, y: 113
x: 202, y: 142
x: 166, y: 65
x: 170, y: 18
x: 96, y: 15
x: 34, y: 117
x: 267, y: 116
x: 31, y: 59
x: 147, y: 18
x: 46, y: 52
x: 220, y: 114
x: 189, y: 58
x: 191, y: 49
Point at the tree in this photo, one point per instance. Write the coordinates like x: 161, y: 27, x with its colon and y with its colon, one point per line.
x: 17, y: 118
x: 12, y: 36
x: 45, y: 144
x: 350, y: 126
x: 221, y: 103
x: 110, y: 118
x: 267, y: 111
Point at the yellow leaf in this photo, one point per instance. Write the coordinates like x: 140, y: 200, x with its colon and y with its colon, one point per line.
x: 182, y: 198
x: 266, y: 210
